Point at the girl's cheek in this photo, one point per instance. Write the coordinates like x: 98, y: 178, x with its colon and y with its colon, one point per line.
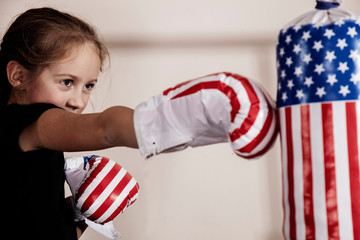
x: 43, y: 96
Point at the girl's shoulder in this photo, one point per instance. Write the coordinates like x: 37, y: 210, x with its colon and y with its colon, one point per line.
x: 32, y: 107
x: 15, y: 118
x: 15, y: 112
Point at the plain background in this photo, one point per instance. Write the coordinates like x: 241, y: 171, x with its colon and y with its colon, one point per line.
x: 203, y: 193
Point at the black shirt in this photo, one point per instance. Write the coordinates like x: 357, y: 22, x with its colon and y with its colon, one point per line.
x: 32, y: 183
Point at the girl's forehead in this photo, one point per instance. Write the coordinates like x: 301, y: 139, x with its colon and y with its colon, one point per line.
x: 80, y: 51
x: 83, y: 60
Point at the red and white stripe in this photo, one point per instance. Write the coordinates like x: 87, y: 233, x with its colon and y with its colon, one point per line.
x: 321, y: 172
x: 107, y: 190
x: 253, y: 126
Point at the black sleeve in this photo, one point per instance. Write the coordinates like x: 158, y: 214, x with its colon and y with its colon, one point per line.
x: 17, y: 117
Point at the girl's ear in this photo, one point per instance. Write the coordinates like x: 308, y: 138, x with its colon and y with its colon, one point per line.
x: 15, y: 73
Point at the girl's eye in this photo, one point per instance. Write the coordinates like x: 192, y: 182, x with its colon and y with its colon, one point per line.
x: 67, y: 82
x: 89, y: 86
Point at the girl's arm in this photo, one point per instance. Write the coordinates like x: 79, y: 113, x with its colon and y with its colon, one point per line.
x: 61, y: 130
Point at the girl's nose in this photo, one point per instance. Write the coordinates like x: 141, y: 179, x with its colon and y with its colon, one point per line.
x: 75, y: 104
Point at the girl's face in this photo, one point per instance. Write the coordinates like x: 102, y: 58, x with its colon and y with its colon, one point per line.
x: 66, y: 83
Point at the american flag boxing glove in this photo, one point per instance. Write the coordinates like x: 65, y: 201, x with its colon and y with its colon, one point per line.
x: 221, y: 107
x: 318, y: 56
x: 102, y: 189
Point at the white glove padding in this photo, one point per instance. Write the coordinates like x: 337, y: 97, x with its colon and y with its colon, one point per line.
x: 216, y: 108
x: 101, y: 190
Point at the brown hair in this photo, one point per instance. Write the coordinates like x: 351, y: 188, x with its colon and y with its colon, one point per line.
x: 41, y: 36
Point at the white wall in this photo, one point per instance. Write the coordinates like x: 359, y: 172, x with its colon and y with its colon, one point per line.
x: 204, y: 193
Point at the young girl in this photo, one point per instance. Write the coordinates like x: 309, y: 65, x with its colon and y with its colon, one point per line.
x: 49, y: 64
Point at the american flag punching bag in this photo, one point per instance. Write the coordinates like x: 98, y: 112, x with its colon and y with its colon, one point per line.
x: 318, y: 60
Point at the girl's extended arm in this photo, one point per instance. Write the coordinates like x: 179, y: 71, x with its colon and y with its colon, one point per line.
x: 61, y: 130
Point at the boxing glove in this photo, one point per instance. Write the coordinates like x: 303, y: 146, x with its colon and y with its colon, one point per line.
x: 101, y: 190
x: 221, y: 107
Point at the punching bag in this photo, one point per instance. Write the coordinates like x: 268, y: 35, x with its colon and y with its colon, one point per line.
x: 318, y: 101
